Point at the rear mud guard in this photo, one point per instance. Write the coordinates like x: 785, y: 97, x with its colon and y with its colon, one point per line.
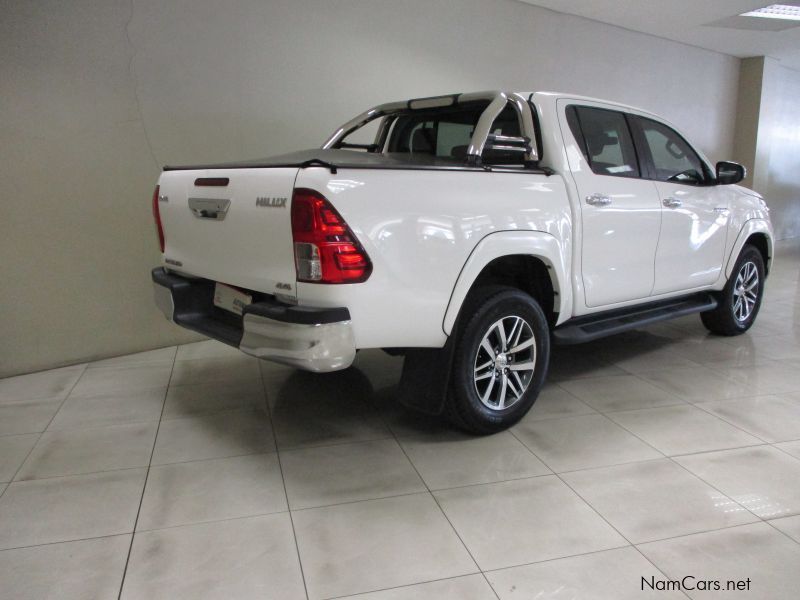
x: 425, y: 379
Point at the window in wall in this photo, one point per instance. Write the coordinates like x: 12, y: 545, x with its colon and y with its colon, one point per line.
x: 605, y: 140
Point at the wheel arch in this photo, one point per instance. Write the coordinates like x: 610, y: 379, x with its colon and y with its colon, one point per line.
x: 762, y: 243
x: 758, y: 233
x: 528, y: 260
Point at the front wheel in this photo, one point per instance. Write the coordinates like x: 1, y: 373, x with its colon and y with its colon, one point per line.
x: 502, y: 354
x: 740, y: 300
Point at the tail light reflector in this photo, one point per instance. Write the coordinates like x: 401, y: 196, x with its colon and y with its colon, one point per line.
x: 325, y: 250
x: 157, y: 219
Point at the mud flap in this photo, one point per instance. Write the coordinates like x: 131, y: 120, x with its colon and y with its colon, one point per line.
x: 425, y: 379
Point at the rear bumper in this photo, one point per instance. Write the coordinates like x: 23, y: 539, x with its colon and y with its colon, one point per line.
x: 314, y: 339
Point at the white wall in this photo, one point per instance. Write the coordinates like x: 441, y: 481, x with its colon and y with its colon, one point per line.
x: 96, y: 95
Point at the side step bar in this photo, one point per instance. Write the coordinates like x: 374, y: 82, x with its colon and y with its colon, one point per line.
x: 592, y: 327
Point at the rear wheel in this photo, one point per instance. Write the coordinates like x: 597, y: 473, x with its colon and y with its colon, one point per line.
x: 740, y: 300
x: 502, y: 353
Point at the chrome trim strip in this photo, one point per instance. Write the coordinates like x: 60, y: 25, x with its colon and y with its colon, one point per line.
x: 320, y: 348
x: 484, y: 125
x: 524, y: 112
x: 164, y: 301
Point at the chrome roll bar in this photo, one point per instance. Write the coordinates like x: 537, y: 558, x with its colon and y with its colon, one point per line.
x: 497, y: 103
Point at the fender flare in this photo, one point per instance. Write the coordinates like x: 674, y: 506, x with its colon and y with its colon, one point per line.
x: 750, y: 227
x: 537, y: 244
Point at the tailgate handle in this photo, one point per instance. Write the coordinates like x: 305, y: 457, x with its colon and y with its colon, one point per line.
x: 209, y: 208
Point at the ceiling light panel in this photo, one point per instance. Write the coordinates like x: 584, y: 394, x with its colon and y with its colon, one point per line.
x: 784, y: 12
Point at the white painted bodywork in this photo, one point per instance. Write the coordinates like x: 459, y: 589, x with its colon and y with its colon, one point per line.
x: 430, y: 232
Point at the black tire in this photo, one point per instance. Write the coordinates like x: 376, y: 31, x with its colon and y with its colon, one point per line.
x: 484, y: 309
x: 738, y: 309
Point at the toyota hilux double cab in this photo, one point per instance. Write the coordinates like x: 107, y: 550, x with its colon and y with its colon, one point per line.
x: 466, y: 232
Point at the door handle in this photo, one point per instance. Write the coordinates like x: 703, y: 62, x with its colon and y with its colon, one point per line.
x: 672, y: 202
x: 598, y: 200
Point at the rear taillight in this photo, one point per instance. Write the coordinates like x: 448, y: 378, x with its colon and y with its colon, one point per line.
x: 157, y: 218
x: 325, y: 250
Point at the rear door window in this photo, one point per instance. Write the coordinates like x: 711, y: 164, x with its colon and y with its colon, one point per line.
x: 604, y: 139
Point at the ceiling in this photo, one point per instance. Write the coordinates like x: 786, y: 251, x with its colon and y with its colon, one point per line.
x: 711, y: 24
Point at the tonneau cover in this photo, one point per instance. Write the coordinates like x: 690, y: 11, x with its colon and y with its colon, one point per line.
x: 341, y: 159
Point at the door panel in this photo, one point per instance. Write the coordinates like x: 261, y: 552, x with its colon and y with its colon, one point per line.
x: 619, y: 240
x: 620, y: 212
x: 694, y: 227
x: 694, y: 214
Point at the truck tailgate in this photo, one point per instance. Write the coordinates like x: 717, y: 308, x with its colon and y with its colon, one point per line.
x: 238, y: 232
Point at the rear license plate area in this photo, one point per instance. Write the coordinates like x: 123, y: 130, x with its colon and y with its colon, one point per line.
x: 230, y: 298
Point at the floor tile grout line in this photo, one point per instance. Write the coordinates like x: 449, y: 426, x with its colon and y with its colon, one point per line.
x: 771, y: 524
x: 118, y: 356
x: 41, y: 433
x: 741, y: 428
x: 619, y: 464
x: 776, y: 445
x: 67, y: 395
x: 67, y: 541
x: 154, y: 364
x: 438, y: 504
x: 212, y: 521
x: 671, y: 459
x: 704, y: 532
x: 402, y: 587
x: 66, y: 475
x: 436, y: 500
x: 596, y: 510
x: 382, y: 438
x: 144, y: 485
x: 156, y: 465
x: 599, y: 514
x: 634, y: 546
x: 734, y: 425
x: 283, y: 480
x: 360, y: 501
x: 715, y: 488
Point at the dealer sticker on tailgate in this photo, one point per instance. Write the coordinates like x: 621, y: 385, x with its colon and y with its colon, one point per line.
x: 230, y: 298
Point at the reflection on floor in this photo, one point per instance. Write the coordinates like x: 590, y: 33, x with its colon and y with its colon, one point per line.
x: 198, y: 472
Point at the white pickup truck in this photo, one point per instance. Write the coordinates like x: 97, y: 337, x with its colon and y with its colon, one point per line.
x: 466, y: 232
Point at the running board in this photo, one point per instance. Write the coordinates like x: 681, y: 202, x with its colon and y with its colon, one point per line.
x: 592, y: 327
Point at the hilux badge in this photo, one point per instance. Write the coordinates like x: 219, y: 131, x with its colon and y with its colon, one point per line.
x: 268, y: 202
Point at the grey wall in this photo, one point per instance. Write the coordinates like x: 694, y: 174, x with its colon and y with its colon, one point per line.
x: 96, y: 95
x: 767, y: 138
x: 783, y: 176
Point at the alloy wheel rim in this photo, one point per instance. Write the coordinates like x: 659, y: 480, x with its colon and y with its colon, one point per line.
x: 504, y: 362
x: 745, y: 291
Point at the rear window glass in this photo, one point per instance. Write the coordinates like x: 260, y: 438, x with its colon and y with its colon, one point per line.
x: 446, y: 133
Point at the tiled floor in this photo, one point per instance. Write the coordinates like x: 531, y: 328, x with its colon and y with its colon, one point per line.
x: 197, y: 472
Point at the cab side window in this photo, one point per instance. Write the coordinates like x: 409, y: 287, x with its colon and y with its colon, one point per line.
x: 672, y: 158
x: 605, y: 140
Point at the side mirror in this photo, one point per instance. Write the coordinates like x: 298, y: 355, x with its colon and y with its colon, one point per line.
x: 729, y: 172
